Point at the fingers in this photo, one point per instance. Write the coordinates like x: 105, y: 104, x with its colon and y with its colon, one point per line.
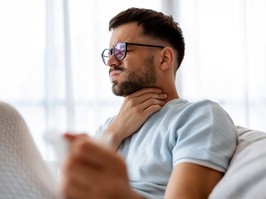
x: 147, y: 93
x: 157, y: 101
x: 72, y: 190
x: 69, y: 136
x: 140, y: 105
x: 146, y: 98
x: 146, y: 90
x: 89, y: 152
x: 148, y: 102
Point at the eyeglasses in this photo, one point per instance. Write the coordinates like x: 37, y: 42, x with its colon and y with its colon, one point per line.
x: 120, y: 51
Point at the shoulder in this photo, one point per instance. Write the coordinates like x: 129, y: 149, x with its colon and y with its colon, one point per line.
x: 203, y: 106
x: 188, y: 106
x: 186, y: 110
x: 206, y: 126
x: 207, y: 115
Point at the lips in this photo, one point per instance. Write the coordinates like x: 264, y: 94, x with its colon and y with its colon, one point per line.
x: 114, y: 74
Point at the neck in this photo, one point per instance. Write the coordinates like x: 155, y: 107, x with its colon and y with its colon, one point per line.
x: 171, y: 92
x: 172, y: 96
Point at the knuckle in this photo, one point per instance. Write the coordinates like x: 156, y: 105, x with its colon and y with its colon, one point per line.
x: 81, y: 147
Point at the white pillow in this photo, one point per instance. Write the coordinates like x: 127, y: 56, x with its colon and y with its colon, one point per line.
x: 245, y: 177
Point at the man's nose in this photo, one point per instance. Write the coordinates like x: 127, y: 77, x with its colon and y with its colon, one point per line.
x: 113, y: 62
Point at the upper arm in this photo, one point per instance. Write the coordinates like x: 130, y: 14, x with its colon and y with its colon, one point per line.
x: 189, y: 180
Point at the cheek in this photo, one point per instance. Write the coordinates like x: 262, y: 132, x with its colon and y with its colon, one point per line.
x: 135, y: 62
x: 131, y: 65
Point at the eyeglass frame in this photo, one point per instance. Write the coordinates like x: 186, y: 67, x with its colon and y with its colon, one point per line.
x: 112, y: 50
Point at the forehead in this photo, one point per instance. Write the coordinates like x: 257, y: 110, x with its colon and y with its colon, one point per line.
x: 129, y: 32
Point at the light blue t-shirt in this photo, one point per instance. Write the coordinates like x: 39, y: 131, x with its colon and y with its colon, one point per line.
x: 200, y: 133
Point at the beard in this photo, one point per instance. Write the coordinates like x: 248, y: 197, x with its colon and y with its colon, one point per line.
x: 137, y: 80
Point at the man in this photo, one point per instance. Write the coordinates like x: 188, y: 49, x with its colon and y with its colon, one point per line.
x: 166, y: 147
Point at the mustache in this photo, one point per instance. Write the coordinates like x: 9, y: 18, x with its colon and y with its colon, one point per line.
x: 115, y: 69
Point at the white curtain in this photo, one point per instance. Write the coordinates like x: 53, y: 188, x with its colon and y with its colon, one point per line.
x: 51, y: 69
x: 226, y: 56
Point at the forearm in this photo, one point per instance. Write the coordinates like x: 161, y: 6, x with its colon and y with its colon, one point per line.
x: 192, y: 181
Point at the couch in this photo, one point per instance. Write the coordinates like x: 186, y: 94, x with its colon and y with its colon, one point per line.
x: 245, y: 177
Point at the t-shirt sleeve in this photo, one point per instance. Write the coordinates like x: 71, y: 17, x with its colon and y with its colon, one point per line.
x: 99, y: 131
x: 207, y: 137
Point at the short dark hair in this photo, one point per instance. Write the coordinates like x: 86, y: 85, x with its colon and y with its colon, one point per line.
x: 154, y: 24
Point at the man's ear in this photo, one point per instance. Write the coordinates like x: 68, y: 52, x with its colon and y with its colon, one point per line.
x: 167, y: 58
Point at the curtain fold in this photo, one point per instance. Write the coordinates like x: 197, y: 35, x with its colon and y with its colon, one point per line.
x: 69, y: 94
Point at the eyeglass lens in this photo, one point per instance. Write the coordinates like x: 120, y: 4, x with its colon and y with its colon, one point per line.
x: 119, y: 51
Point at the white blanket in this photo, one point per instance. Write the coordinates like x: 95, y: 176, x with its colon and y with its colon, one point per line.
x: 23, y: 172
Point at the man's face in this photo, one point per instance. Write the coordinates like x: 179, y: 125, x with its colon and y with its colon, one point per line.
x: 137, y: 69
